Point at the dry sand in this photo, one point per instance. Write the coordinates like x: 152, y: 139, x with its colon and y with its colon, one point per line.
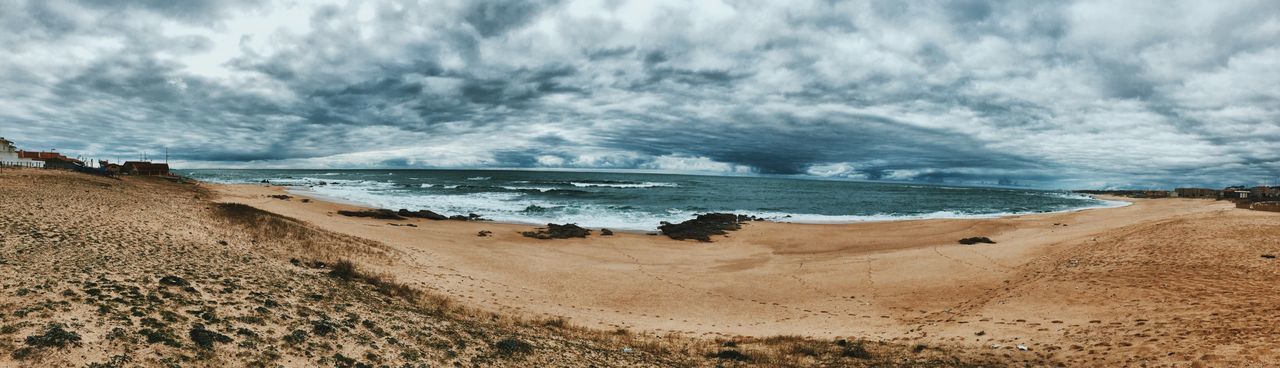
x: 142, y: 272
x: 1170, y: 281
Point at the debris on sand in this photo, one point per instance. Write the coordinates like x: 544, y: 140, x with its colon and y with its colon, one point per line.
x: 704, y: 226
x: 1269, y: 256
x: 484, y: 233
x: 554, y: 231
x: 174, y: 281
x: 976, y: 240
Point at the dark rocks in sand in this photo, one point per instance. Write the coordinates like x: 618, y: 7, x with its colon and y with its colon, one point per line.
x: 173, y: 281
x: 280, y: 197
x: 385, y: 214
x: 1269, y: 256
x: 421, y: 214
x: 484, y: 233
x: 976, y: 240
x: 264, y: 181
x: 468, y: 217
x: 704, y: 226
x: 554, y: 231
x: 382, y: 214
x: 606, y: 232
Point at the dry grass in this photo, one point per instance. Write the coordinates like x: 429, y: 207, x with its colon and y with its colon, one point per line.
x: 300, y: 239
x: 306, y: 242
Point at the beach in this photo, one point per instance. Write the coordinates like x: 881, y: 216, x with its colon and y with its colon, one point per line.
x: 153, y: 272
x: 1159, y: 281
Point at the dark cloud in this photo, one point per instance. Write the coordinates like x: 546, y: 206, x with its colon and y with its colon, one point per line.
x: 492, y: 18
x: 1065, y: 94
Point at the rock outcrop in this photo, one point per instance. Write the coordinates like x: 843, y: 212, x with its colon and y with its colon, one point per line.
x: 554, y: 231
x: 701, y: 228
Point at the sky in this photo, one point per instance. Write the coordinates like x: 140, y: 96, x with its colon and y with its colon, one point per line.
x: 1064, y: 94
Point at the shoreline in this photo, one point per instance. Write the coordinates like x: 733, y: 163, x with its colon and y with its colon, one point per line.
x: 1160, y: 281
x: 1107, y: 202
x: 782, y: 276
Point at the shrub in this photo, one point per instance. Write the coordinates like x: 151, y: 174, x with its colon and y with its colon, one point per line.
x: 511, y: 346
x: 55, y: 336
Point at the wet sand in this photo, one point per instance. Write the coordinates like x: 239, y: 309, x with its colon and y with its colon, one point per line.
x: 1156, y: 281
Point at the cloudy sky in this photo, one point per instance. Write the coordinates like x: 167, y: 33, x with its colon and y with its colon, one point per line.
x: 1058, y: 94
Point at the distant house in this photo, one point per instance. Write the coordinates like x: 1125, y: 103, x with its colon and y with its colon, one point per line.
x: 114, y: 169
x: 10, y: 156
x: 61, y: 163
x: 1235, y: 193
x: 144, y: 168
x: 46, y: 156
x: 1196, y: 193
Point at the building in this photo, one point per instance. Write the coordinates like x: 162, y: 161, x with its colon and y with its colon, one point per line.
x: 144, y: 168
x: 46, y: 156
x: 110, y: 168
x: 1235, y: 193
x: 9, y: 156
x: 1196, y: 193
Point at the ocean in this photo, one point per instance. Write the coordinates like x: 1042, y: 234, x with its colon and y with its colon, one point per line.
x: 636, y: 201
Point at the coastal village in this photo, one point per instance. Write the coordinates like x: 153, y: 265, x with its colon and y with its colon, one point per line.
x: 11, y: 156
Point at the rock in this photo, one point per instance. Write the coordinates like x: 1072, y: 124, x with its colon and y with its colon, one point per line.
x: 174, y: 281
x: 484, y: 233
x: 306, y: 200
x: 704, y: 226
x: 422, y: 214
x: 280, y: 197
x: 976, y: 240
x: 554, y: 231
x: 606, y: 232
x: 222, y: 242
x: 264, y: 181
x: 980, y: 333
x: 381, y: 214
x: 1269, y: 256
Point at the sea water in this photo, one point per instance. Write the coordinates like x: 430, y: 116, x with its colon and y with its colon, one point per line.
x: 640, y: 201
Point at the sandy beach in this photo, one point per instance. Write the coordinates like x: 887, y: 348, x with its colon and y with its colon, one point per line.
x: 147, y: 272
x: 1157, y: 282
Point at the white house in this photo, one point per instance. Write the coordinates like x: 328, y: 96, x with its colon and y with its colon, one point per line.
x: 9, y: 156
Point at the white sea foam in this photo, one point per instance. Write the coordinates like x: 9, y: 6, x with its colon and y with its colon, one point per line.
x: 624, y: 185
x: 540, y: 189
x: 479, y: 178
x: 514, y: 207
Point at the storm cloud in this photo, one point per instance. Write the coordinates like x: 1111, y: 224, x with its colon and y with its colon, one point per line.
x: 1053, y: 94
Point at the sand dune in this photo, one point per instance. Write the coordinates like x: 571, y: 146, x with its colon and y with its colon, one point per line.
x: 1160, y: 281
